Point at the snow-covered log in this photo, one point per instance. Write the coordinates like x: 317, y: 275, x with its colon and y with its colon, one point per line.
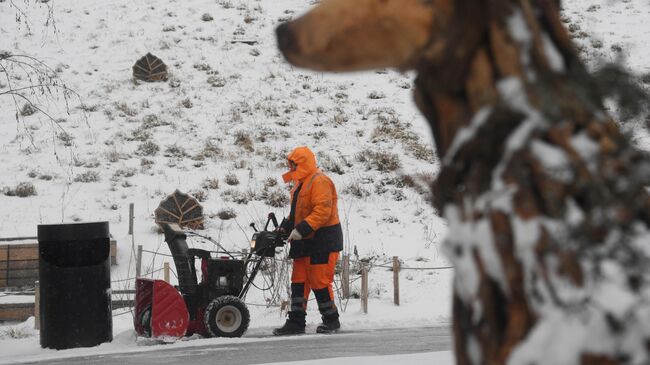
x: 545, y: 197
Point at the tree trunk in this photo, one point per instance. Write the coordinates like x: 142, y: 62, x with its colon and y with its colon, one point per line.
x: 545, y: 197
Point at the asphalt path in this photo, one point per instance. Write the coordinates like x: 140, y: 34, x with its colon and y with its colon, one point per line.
x: 269, y: 349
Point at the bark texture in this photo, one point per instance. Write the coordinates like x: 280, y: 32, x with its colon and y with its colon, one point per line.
x: 545, y: 196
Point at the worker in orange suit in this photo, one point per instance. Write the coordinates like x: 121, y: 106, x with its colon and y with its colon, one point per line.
x: 316, y: 239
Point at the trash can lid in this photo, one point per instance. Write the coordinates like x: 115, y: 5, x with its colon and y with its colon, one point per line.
x: 73, y: 231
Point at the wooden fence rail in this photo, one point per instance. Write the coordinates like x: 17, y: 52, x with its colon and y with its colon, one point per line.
x: 19, y: 262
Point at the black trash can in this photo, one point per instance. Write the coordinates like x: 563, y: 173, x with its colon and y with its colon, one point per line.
x: 75, y: 285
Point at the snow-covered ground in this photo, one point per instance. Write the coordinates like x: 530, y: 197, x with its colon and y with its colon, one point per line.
x: 219, y: 128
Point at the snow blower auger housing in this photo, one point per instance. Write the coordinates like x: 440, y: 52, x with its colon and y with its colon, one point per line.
x: 213, y: 307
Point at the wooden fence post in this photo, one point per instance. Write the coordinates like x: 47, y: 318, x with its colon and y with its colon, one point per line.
x: 37, y: 305
x: 138, y: 262
x: 131, y: 218
x: 345, y: 277
x: 364, y: 288
x: 166, y: 271
x: 396, y: 280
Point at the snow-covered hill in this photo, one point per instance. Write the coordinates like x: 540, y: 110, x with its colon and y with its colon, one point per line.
x: 220, y: 129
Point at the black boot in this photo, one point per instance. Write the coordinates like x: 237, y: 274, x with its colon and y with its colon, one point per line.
x: 295, y: 325
x: 329, y: 326
x: 290, y: 328
x: 328, y: 311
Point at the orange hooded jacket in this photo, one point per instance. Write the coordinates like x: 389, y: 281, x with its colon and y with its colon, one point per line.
x: 314, y: 211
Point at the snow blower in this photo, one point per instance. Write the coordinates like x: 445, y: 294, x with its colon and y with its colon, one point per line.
x: 213, y: 307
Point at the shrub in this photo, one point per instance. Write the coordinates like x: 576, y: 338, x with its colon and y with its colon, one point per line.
x: 27, y: 110
x: 65, y: 138
x: 87, y: 177
x: 125, y: 172
x: 200, y: 194
x: 420, y: 151
x: 318, y: 135
x: 217, y: 81
x: 270, y: 182
x: 25, y: 189
x: 175, y: 151
x: 240, y: 164
x: 210, y: 150
x: 356, y: 189
x: 125, y: 109
x: 244, y: 140
x: 207, y: 17
x: 17, y: 332
x: 225, y: 4
x: 147, y: 148
x: 89, y: 108
x: 113, y: 155
x: 390, y: 129
x: 187, y: 103
x: 231, y: 179
x: 276, y: 198
x: 210, y: 184
x: 389, y: 219
x: 339, y: 119
x: 376, y: 95
x: 139, y: 134
x: 379, y: 160
x: 152, y: 121
x: 398, y: 195
x: 236, y: 196
x: 226, y: 214
x: 329, y: 164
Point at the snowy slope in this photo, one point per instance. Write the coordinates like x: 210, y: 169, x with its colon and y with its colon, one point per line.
x: 228, y: 109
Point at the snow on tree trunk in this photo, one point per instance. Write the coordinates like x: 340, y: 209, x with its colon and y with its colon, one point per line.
x: 544, y: 195
x: 546, y: 202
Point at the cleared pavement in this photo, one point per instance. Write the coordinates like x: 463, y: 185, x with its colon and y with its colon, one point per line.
x: 276, y: 349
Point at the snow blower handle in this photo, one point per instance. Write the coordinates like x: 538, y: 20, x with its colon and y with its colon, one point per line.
x: 271, y: 218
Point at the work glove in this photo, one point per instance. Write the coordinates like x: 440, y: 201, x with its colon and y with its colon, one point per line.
x: 295, y: 235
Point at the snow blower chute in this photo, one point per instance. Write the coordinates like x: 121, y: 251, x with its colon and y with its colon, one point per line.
x: 213, y: 307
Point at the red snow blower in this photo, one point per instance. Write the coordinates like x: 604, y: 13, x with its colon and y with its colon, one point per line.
x: 213, y: 307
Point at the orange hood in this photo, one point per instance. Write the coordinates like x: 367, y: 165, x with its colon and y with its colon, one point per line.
x: 304, y: 158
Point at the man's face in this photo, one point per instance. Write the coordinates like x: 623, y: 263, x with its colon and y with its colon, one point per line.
x: 292, y: 165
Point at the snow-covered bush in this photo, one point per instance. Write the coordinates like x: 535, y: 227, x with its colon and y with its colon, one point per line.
x: 147, y: 148
x: 65, y: 138
x: 22, y: 190
x: 276, y: 197
x: 87, y: 177
x: 226, y: 214
x: 210, y: 183
x: 356, y: 189
x: 27, y: 110
x: 175, y: 151
x: 200, y: 194
x: 244, y: 140
x: 379, y: 160
x: 231, y: 179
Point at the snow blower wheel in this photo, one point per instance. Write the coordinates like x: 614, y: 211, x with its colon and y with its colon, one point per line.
x: 227, y: 316
x: 145, y: 321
